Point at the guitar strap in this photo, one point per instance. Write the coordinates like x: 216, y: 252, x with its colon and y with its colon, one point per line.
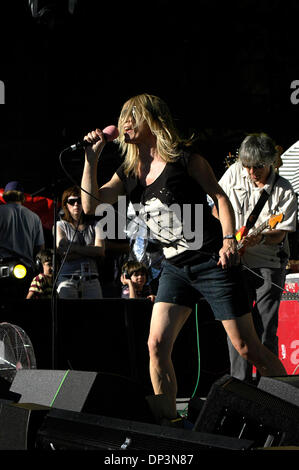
x: 252, y: 218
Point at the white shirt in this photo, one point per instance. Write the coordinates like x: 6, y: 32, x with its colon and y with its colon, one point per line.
x: 243, y: 195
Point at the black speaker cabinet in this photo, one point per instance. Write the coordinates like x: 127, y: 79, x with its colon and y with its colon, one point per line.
x: 286, y: 388
x: 66, y: 430
x: 112, y: 338
x: 90, y: 392
x: 19, y: 424
x: 237, y: 409
x: 5, y: 393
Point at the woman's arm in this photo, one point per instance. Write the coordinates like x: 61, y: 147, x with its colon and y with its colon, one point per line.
x: 98, y: 249
x: 76, y: 250
x: 91, y: 195
x: 201, y: 171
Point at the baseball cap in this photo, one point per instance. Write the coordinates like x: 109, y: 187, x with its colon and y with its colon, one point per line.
x: 14, y: 186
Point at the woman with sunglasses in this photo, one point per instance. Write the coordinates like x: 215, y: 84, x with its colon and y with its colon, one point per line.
x: 80, y: 240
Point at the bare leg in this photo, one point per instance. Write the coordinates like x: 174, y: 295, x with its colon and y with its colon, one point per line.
x: 168, y: 320
x: 166, y: 323
x: 243, y: 336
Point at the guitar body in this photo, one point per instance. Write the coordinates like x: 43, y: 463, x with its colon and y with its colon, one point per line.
x: 239, y: 237
x: 241, y: 233
x: 268, y: 224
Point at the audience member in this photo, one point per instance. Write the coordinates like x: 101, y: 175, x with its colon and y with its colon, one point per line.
x: 21, y: 238
x: 80, y: 241
x: 134, y: 280
x: 42, y: 284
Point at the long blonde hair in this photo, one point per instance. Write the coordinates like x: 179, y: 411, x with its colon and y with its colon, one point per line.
x: 155, y: 112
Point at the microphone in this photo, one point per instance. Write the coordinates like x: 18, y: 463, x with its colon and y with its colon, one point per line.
x: 110, y: 133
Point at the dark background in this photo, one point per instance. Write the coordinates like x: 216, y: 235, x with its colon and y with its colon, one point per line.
x: 224, y: 68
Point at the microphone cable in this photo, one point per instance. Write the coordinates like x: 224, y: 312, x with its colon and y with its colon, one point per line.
x: 65, y: 255
x: 124, y: 217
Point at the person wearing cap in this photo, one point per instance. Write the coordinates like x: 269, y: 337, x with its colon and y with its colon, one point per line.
x: 21, y: 231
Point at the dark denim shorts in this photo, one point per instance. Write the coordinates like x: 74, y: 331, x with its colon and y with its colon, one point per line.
x: 223, y: 289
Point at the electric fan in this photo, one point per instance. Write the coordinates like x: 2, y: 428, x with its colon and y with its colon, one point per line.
x: 16, y: 351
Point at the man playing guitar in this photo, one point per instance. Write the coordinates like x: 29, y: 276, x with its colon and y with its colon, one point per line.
x: 262, y: 236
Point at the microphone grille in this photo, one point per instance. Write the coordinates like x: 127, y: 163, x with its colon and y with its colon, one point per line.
x: 111, y: 133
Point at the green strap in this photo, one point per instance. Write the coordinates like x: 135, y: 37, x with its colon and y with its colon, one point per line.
x: 59, y: 387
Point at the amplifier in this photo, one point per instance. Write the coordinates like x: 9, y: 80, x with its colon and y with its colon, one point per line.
x: 288, y: 325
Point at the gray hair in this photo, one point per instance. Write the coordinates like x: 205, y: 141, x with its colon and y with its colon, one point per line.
x: 257, y: 149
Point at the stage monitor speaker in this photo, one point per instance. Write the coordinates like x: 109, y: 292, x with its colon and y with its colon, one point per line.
x: 19, y: 425
x: 286, y: 388
x: 65, y: 430
x: 6, y: 394
x: 237, y: 409
x: 89, y: 392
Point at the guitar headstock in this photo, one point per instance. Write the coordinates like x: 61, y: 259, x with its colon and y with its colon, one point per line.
x: 230, y: 159
x: 274, y: 220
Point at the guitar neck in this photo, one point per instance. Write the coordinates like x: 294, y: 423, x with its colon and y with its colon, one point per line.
x: 260, y: 228
x: 257, y: 230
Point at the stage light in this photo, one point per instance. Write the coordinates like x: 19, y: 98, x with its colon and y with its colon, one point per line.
x: 13, y: 268
x: 19, y: 271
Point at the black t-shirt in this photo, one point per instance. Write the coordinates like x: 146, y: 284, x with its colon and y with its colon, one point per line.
x: 176, y: 212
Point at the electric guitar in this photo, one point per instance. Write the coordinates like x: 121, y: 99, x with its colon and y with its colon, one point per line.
x: 269, y: 223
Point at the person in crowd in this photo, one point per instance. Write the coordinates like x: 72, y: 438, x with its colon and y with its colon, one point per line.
x: 170, y: 181
x: 264, y: 251
x: 42, y: 284
x: 134, y: 279
x: 21, y: 238
x: 81, y: 245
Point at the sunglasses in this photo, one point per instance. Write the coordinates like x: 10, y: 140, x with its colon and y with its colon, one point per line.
x: 73, y: 201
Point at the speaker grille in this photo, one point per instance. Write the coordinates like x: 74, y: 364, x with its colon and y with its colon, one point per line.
x: 238, y: 409
x: 64, y: 430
